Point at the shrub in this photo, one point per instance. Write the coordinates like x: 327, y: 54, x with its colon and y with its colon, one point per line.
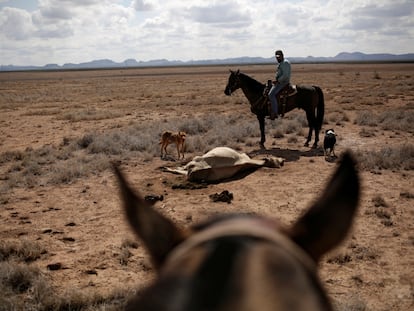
x: 400, y: 119
x: 23, y: 287
x: 366, y: 118
x: 398, y: 157
x: 23, y: 250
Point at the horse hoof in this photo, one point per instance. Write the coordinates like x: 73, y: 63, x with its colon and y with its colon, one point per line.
x: 306, y: 144
x: 314, y: 146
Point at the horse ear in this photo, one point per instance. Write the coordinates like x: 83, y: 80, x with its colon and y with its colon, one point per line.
x: 158, y: 233
x: 329, y: 219
x: 238, y: 71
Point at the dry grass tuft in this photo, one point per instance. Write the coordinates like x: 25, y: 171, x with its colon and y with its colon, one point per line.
x: 391, y: 120
x: 89, y: 114
x: 388, y: 158
x: 23, y: 286
x: 22, y: 250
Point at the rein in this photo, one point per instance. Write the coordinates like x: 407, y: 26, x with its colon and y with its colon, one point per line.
x: 260, y: 100
x: 255, y: 228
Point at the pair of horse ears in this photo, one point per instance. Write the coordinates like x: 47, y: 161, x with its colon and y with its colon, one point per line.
x: 323, y: 226
x: 235, y: 72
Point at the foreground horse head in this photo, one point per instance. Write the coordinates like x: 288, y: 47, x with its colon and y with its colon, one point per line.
x: 243, y: 262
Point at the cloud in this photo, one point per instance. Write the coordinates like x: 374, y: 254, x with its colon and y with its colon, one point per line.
x: 15, y: 23
x: 55, y: 13
x: 387, y: 10
x: 380, y: 17
x: 142, y: 5
x: 221, y: 14
x: 79, y: 30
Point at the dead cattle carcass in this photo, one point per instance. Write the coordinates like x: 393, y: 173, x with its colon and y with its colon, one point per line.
x: 222, y: 163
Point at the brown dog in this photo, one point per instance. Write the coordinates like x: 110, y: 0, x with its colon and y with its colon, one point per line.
x: 169, y: 137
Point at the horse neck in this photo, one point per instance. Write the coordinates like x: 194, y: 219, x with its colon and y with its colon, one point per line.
x: 252, y: 89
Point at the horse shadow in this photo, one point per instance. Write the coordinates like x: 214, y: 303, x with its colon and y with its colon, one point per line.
x: 290, y: 155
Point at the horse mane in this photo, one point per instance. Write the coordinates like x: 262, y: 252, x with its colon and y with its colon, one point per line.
x: 258, y: 86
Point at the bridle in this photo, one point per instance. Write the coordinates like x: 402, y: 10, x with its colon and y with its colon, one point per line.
x: 235, y: 83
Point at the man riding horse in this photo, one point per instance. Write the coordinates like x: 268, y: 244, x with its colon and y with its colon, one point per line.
x: 307, y: 97
x: 282, y: 80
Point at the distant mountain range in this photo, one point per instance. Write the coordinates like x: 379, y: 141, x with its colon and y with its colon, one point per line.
x: 131, y: 63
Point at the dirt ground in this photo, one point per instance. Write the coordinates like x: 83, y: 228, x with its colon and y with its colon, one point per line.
x: 81, y: 226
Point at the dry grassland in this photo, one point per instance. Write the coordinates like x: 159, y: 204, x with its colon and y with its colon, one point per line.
x: 64, y: 244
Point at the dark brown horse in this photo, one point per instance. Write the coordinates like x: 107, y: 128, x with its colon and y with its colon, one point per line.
x: 243, y: 262
x: 308, y: 98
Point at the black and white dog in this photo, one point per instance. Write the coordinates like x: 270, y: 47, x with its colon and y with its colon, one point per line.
x: 329, y: 142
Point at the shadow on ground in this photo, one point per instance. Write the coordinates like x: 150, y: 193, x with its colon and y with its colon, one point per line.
x: 289, y: 155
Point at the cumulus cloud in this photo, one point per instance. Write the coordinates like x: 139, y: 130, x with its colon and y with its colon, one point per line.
x: 221, y: 13
x: 198, y: 29
x: 15, y: 23
x: 388, y: 10
x: 387, y: 19
x: 142, y: 5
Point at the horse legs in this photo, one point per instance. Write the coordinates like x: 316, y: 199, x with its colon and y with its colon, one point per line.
x: 312, y: 126
x: 315, y: 144
x: 309, y: 136
x: 262, y: 130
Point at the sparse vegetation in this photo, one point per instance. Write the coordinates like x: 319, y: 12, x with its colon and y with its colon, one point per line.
x: 27, y: 287
x: 377, y: 76
x: 61, y: 134
x: 93, y: 152
x: 398, y: 157
x: 391, y: 120
x: 22, y: 250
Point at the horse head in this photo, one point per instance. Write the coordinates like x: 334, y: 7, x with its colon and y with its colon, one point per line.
x: 233, y: 82
x: 243, y: 262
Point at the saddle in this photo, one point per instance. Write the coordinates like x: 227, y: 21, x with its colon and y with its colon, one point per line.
x: 282, y: 97
x: 288, y: 90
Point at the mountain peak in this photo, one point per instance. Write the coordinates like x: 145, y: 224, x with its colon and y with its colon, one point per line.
x: 107, y: 63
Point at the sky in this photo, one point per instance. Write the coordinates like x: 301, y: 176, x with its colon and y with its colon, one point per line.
x: 40, y: 32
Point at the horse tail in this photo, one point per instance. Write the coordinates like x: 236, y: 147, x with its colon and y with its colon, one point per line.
x: 320, y: 111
